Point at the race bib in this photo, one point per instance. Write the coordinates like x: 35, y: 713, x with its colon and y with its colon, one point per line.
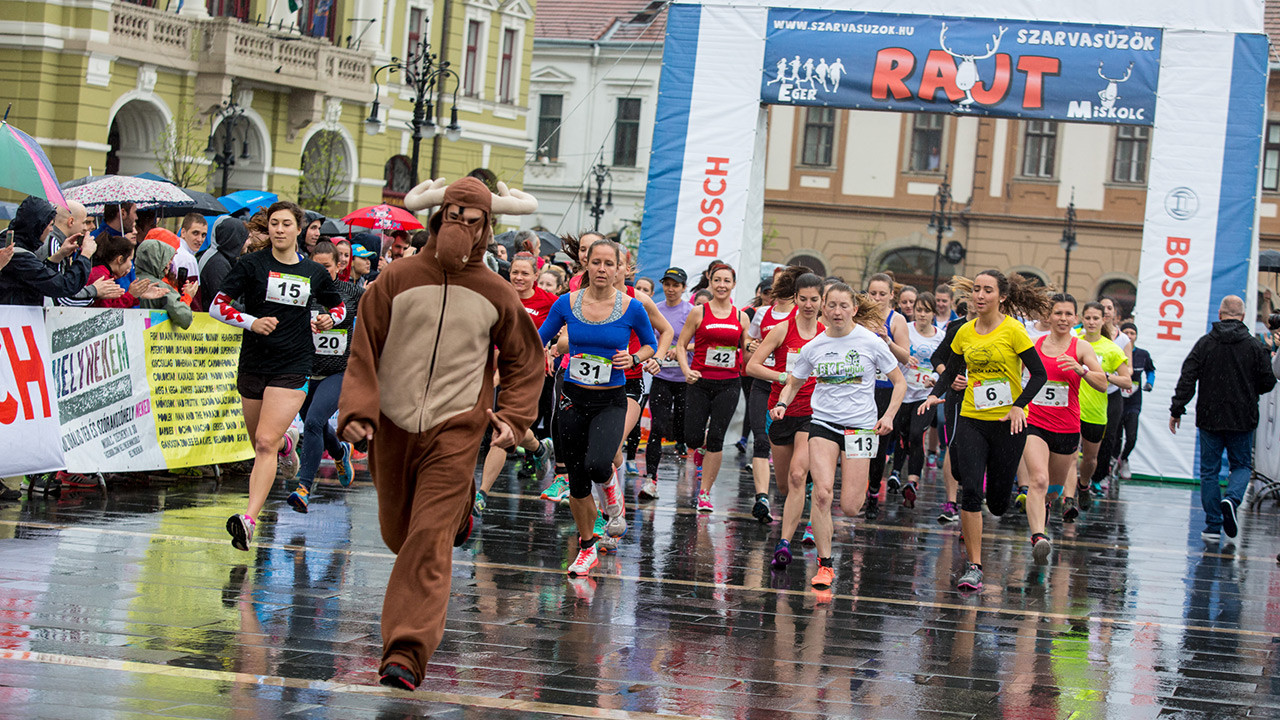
x: 672, y: 363
x: 988, y: 394
x: 723, y: 357
x: 1053, y: 394
x: 288, y: 289
x: 330, y: 342
x: 792, y: 357
x: 860, y: 443
x: 1128, y: 393
x: 590, y: 369
x: 917, y: 375
x: 768, y: 362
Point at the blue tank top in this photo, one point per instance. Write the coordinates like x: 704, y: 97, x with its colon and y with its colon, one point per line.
x: 888, y: 327
x: 591, y: 343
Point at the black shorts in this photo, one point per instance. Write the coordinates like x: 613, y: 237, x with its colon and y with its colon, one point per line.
x: 1059, y: 443
x: 783, y: 432
x: 253, y: 385
x: 1092, y: 433
x: 827, y: 431
x: 635, y: 389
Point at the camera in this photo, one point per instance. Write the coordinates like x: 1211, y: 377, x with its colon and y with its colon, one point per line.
x: 1273, y: 322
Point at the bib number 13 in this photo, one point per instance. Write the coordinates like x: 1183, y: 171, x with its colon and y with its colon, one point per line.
x: 860, y: 443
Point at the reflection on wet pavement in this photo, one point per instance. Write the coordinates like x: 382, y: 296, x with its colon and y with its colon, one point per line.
x: 133, y: 603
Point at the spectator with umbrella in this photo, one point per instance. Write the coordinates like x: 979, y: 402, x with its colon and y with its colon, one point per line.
x: 27, y: 280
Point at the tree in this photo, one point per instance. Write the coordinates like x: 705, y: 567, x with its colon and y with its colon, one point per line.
x: 179, y: 150
x: 324, y: 171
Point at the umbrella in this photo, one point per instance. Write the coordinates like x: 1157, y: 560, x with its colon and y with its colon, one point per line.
x: 1269, y: 261
x: 333, y: 227
x: 155, y: 177
x: 205, y: 204
x: 116, y: 189
x: 84, y: 181
x: 8, y: 210
x: 24, y: 166
x: 383, y: 217
x: 551, y: 244
x: 247, y: 200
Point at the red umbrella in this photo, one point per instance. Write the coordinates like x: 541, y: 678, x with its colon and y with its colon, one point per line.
x: 383, y: 217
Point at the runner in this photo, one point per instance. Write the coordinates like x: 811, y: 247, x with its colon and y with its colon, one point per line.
x: 1142, y: 365
x: 949, y: 412
x: 667, y: 394
x: 1053, y: 423
x: 637, y: 395
x: 538, y: 303
x: 718, y: 331
x: 843, y: 360
x: 332, y: 349
x: 881, y: 288
x: 1109, y: 453
x: 789, y: 436
x: 275, y: 287
x: 909, y: 425
x: 1095, y: 408
x: 991, y: 351
x: 592, y: 406
x: 1037, y: 327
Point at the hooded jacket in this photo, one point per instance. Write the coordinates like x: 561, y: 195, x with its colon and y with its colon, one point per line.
x: 229, y: 237
x: 27, y: 280
x: 151, y: 260
x: 1231, y: 369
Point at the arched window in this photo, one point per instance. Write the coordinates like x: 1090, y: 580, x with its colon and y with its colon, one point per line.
x: 398, y: 174
x: 914, y: 266
x: 1033, y: 276
x: 326, y: 171
x: 818, y: 267
x: 1123, y: 292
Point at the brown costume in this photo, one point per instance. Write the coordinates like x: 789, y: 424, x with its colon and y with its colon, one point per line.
x: 421, y: 372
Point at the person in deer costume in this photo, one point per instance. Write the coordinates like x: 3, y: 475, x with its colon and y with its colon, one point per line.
x: 419, y: 387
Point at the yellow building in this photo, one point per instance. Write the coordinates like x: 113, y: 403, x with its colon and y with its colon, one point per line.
x: 122, y: 87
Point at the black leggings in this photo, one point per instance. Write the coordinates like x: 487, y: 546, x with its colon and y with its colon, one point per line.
x: 666, y: 412
x: 589, y: 426
x: 546, y: 406
x: 757, y: 414
x: 708, y: 407
x: 883, y: 397
x: 317, y: 436
x: 984, y: 451
x: 911, y: 425
x: 1110, y: 447
x: 1129, y: 423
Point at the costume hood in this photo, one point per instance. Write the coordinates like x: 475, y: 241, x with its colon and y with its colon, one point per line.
x: 456, y: 245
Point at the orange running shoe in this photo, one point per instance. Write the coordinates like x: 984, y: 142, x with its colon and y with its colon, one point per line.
x: 824, y: 578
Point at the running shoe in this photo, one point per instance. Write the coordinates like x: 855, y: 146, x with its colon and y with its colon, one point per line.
x: 649, y: 489
x: 807, y: 539
x: 558, y: 490
x: 1069, y: 510
x: 615, y: 507
x: 894, y: 482
x: 971, y: 580
x: 78, y: 480
x: 1211, y: 536
x: 1230, y: 527
x: 1040, y: 547
x: 8, y: 494
x: 481, y: 502
x: 544, y: 458
x: 598, y: 528
x: 607, y: 544
x: 909, y: 495
x: 824, y: 578
x: 1021, y: 499
x: 704, y: 502
x: 44, y: 483
x: 299, y: 499
x: 587, y: 559
x: 1123, y: 472
x: 760, y: 511
x: 1084, y: 497
x: 932, y: 462
x: 872, y: 507
x: 781, y: 555
x: 287, y: 462
x: 241, y: 527
x: 1096, y: 487
x: 741, y: 445
x: 397, y: 676
x: 346, y: 472
x: 632, y: 470
x: 949, y: 513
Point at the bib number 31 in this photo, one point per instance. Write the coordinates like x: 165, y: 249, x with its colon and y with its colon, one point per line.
x: 988, y: 394
x: 860, y: 443
x: 590, y: 369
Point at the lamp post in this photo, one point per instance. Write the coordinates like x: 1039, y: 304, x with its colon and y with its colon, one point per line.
x: 940, y: 222
x: 424, y: 73
x: 1068, y: 241
x: 600, y: 173
x: 232, y: 116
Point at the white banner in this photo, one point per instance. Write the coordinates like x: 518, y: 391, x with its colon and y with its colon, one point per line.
x: 1266, y: 443
x: 29, y: 429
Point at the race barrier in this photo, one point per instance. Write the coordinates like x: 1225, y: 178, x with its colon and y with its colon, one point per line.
x: 117, y: 391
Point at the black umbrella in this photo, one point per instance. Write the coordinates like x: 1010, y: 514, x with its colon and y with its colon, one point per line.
x: 551, y: 244
x: 331, y: 227
x: 1269, y: 261
x: 206, y: 204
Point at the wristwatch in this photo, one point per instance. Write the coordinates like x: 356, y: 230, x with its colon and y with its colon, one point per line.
x: 635, y: 361
x: 782, y: 377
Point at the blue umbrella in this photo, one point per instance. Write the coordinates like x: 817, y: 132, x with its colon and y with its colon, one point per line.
x: 247, y: 201
x: 7, y: 210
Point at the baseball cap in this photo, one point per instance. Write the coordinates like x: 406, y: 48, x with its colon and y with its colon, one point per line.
x: 677, y: 275
x: 361, y: 251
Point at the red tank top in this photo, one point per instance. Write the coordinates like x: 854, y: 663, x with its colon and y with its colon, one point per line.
x: 636, y: 371
x: 769, y: 321
x: 716, y: 351
x: 791, y: 345
x: 1047, y: 410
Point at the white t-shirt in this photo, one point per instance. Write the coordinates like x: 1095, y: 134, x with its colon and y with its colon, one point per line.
x: 845, y: 370
x: 753, y: 331
x: 921, y: 351
x: 184, y: 259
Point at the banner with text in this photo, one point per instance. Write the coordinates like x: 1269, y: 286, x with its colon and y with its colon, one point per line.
x: 28, y: 409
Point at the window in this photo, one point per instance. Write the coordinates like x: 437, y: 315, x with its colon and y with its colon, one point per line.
x: 398, y: 174
x: 914, y: 266
x: 1039, y: 149
x: 626, y: 133
x: 1131, y: 154
x: 471, y: 59
x: 1271, y: 158
x: 549, y: 108
x: 819, y: 135
x: 413, y: 33
x: 1122, y: 292
x: 926, y: 142
x: 325, y: 171
x: 315, y: 17
x: 814, y: 264
x: 507, y: 69
x: 238, y: 9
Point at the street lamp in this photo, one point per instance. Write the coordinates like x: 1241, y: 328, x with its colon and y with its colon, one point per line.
x: 601, y: 173
x: 233, y: 117
x: 1068, y: 241
x: 425, y: 74
x: 940, y: 221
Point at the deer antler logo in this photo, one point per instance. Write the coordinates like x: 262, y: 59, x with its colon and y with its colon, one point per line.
x: 967, y: 72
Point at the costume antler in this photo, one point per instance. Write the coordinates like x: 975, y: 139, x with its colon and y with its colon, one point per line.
x: 427, y: 194
x: 510, y: 201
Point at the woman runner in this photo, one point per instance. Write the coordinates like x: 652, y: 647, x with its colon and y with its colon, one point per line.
x: 991, y: 351
x: 909, y: 425
x: 276, y: 287
x: 592, y: 407
x: 880, y: 288
x: 718, y: 331
x: 843, y: 360
x: 1095, y: 406
x: 666, y: 395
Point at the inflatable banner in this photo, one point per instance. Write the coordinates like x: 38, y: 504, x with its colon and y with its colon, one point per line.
x: 28, y: 409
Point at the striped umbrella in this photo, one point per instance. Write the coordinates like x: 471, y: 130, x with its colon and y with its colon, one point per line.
x: 24, y: 166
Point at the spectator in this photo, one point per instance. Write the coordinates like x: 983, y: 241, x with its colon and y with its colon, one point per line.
x: 342, y: 249
x: 60, y: 249
x: 153, y: 260
x: 362, y: 263
x: 118, y: 219
x: 145, y: 222
x: 312, y: 236
x: 114, y: 258
x: 420, y: 239
x: 399, y: 243
x: 179, y: 262
x: 194, y: 231
x: 27, y: 280
x: 229, y: 238
x: 1228, y: 369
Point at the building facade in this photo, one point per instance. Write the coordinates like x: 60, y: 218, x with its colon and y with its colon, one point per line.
x: 125, y: 87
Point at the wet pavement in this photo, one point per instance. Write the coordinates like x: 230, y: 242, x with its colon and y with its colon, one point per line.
x: 132, y: 603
